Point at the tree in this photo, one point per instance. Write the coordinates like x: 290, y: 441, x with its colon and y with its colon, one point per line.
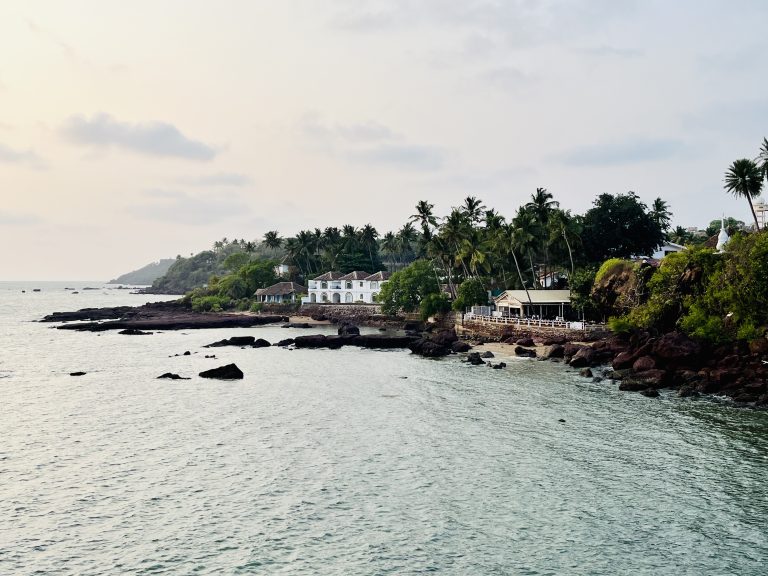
x: 619, y: 226
x: 762, y: 158
x: 661, y: 214
x: 745, y: 179
x: 471, y: 292
x: 425, y: 218
x: 473, y: 209
x: 272, y: 240
x: 235, y: 261
x: 406, y: 289
x: 731, y: 225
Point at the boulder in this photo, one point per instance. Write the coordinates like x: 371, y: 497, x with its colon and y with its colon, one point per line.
x: 170, y: 376
x: 319, y: 317
x: 650, y: 392
x: 134, y: 332
x: 527, y: 342
x: 474, y: 359
x: 347, y: 329
x: 260, y: 343
x: 286, y: 342
x: 77, y: 373
x: 623, y: 360
x: 296, y: 325
x: 460, y: 346
x: 554, y: 351
x: 675, y: 349
x: 553, y: 340
x: 487, y: 354
x: 444, y: 337
x: 686, y: 391
x: 228, y: 372
x: 428, y: 348
x: 583, y: 358
x: 570, y: 349
x: 653, y: 378
x: 644, y: 363
x: 498, y: 366
x: 525, y: 352
x: 586, y: 373
x: 234, y: 341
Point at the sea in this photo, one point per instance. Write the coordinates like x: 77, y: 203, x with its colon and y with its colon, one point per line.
x: 352, y: 461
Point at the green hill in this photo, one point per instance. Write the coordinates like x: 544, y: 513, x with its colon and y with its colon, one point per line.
x: 145, y: 275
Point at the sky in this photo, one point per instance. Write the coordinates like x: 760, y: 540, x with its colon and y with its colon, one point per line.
x: 134, y: 131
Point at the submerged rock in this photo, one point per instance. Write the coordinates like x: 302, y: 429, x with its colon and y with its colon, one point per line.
x: 474, y: 359
x: 347, y: 329
x: 228, y: 372
x: 460, y: 346
x: 525, y: 352
x: 134, y: 332
x: 296, y: 325
x: 171, y: 376
x: 487, y: 354
x: 77, y: 373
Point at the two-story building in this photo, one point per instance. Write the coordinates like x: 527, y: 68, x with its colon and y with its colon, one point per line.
x: 337, y: 288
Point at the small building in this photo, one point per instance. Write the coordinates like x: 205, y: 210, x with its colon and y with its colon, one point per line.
x: 545, y: 304
x: 353, y: 288
x: 666, y: 249
x: 280, y: 293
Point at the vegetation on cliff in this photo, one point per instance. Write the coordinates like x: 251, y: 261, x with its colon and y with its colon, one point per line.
x: 146, y: 274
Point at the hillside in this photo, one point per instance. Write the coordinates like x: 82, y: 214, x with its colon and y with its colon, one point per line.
x: 145, y: 275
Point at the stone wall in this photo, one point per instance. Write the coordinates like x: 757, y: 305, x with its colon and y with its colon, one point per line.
x: 358, y: 314
x: 472, y: 329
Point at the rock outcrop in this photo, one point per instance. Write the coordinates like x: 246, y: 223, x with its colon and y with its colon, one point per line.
x: 228, y: 372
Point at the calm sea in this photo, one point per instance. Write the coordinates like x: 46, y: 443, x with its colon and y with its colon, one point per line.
x: 353, y: 461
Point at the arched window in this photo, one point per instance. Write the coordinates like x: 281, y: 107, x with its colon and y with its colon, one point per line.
x: 324, y: 297
x: 324, y: 285
x: 374, y: 285
x: 349, y: 285
x: 336, y: 298
x: 375, y: 296
x: 313, y: 297
x: 348, y: 297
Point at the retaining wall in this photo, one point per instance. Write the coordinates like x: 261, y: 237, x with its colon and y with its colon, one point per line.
x: 495, y: 332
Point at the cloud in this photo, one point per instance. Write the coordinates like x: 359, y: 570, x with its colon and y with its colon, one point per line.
x: 613, y: 52
x: 730, y: 117
x: 628, y: 152
x: 506, y: 77
x: 183, y: 208
x: 315, y: 126
x: 8, y: 219
x: 153, y: 139
x: 9, y: 155
x: 403, y: 156
x: 219, y: 179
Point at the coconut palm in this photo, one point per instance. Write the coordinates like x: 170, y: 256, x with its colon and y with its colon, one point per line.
x: 745, y: 179
x: 660, y: 214
x: 368, y: 236
x: 406, y: 237
x: 762, y: 158
x: 425, y: 218
x: 542, y: 205
x: 390, y: 245
x: 272, y: 240
x: 473, y: 209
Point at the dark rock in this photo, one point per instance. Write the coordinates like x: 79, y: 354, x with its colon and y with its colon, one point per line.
x: 234, y: 341
x: 525, y: 352
x: 296, y: 325
x: 260, y: 343
x: 561, y: 420
x: 474, y: 359
x: 649, y: 379
x: 650, y: 392
x: 586, y: 373
x: 445, y: 337
x: 570, y: 349
x: 498, y: 366
x: 77, y: 373
x: 675, y: 350
x: 415, y: 326
x: 552, y: 340
x: 597, y: 379
x: 187, y: 353
x: 460, y: 346
x: 286, y: 342
x: 428, y: 348
x: 210, y: 355
x: 228, y: 372
x: 686, y: 391
x: 170, y: 376
x: 623, y: 360
x: 527, y: 342
x: 644, y: 363
x: 134, y: 332
x: 319, y: 317
x: 487, y: 354
x: 583, y: 358
x: 554, y: 351
x: 347, y: 329
x: 629, y: 385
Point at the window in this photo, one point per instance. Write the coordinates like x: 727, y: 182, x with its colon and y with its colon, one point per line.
x: 324, y: 285
x: 349, y: 285
x: 361, y: 284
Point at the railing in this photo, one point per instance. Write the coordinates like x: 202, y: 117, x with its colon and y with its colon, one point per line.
x: 535, y: 322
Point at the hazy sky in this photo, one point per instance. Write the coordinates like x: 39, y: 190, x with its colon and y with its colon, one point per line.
x: 136, y: 130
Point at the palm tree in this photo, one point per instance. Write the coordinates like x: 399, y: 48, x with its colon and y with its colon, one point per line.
x: 368, y: 236
x: 473, y: 209
x: 390, y: 245
x: 660, y: 214
x: 455, y: 229
x: 272, y: 240
x: 744, y: 178
x: 306, y: 240
x: 425, y: 218
x: 762, y: 158
x: 249, y: 247
x: 542, y: 205
x: 407, y: 236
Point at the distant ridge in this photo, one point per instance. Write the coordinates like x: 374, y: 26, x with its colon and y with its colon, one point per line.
x: 145, y: 275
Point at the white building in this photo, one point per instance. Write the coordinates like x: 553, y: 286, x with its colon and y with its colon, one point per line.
x: 533, y: 303
x: 353, y: 288
x: 666, y: 249
x: 280, y: 293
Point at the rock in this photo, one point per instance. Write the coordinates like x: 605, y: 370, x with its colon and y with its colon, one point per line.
x: 498, y: 366
x: 561, y: 420
x: 527, y: 342
x: 347, y: 329
x: 228, y: 372
x: 445, y: 337
x: 474, y: 359
x: 286, y: 342
x: 296, y: 325
x: 583, y: 358
x: 554, y: 351
x: 628, y: 385
x: 260, y: 343
x: 428, y: 348
x: 649, y: 379
x: 319, y: 317
x: 170, y: 376
x: 650, y: 392
x: 675, y: 350
x: 134, y: 332
x: 687, y: 391
x: 187, y: 353
x: 234, y: 341
x: 759, y: 346
x: 644, y: 363
x: 415, y: 326
x: 77, y: 373
x: 552, y: 340
x: 210, y: 356
x: 585, y: 372
x: 525, y: 352
x: 460, y: 346
x: 623, y: 360
x: 597, y: 379
x: 487, y: 354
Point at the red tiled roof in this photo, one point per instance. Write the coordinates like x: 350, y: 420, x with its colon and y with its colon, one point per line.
x: 281, y: 288
x: 329, y: 276
x: 379, y: 276
x: 356, y: 275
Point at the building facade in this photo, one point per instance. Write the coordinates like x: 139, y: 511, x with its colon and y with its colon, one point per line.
x: 280, y: 293
x: 353, y: 288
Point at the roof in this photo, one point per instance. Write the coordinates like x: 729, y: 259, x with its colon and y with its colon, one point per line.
x: 356, y: 275
x: 329, y: 276
x: 379, y: 276
x: 281, y: 288
x: 536, y: 296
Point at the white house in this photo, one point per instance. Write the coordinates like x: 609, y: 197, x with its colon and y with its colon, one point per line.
x: 280, y: 293
x: 667, y: 248
x: 338, y: 288
x: 546, y: 304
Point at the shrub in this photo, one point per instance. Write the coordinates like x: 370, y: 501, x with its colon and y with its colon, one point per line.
x: 257, y: 307
x: 209, y: 303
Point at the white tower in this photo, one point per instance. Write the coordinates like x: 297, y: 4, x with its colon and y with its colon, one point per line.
x: 761, y: 211
x: 722, y: 238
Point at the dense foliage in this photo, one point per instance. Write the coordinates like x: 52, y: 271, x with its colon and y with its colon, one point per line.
x: 411, y: 287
